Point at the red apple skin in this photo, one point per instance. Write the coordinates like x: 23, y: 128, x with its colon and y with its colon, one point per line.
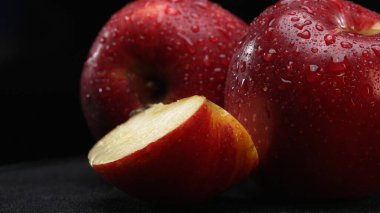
x: 306, y: 85
x: 185, y: 45
x: 203, y: 157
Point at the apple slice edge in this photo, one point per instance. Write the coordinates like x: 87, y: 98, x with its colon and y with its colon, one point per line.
x: 142, y: 129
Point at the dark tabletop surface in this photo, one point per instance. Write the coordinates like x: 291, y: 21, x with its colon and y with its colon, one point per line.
x: 70, y: 185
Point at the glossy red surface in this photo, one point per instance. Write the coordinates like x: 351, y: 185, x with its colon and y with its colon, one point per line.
x: 157, y: 50
x: 197, y: 161
x: 306, y: 85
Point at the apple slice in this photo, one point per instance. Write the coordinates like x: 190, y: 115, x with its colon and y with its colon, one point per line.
x: 189, y: 150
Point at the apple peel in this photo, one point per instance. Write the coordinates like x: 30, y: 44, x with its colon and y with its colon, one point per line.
x: 186, y: 151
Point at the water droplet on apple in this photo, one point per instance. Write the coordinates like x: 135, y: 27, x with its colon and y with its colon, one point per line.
x: 301, y: 26
x: 289, y: 67
x: 313, y: 67
x: 201, y: 4
x: 298, y: 26
x: 206, y: 61
x: 102, y: 40
x: 217, y: 69
x: 366, y: 54
x: 304, y: 34
x: 223, y: 60
x: 337, y: 64
x: 244, y: 85
x: 314, y: 50
x: 185, y: 38
x: 172, y: 11
x: 346, y: 44
x: 221, y: 46
x: 269, y: 56
x: 376, y: 49
x: 294, y: 19
x: 284, y: 84
x: 219, y: 87
x: 307, y: 22
x: 213, y: 38
x: 329, y: 39
x: 195, y: 28
x: 265, y: 89
x: 268, y: 31
x: 271, y: 22
x: 371, y: 64
x: 190, y: 44
x: 307, y: 9
x: 225, y: 32
x: 319, y: 27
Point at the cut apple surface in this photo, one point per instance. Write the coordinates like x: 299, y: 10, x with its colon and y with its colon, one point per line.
x: 143, y: 129
x: 190, y: 150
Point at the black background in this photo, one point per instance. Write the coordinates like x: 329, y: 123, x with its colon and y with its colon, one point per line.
x: 43, y: 45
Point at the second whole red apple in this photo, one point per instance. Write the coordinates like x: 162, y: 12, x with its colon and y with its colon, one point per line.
x: 305, y: 82
x: 157, y: 51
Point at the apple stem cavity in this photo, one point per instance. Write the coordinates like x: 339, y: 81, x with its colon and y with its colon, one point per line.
x: 154, y: 51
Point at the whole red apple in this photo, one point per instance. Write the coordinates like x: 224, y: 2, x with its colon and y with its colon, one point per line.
x: 305, y: 83
x: 157, y: 50
x: 189, y: 150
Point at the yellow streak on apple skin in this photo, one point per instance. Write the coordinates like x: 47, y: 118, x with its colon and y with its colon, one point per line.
x: 247, y: 159
x: 375, y: 29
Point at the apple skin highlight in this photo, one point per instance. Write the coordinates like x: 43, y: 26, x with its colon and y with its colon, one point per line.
x: 157, y: 51
x: 203, y: 157
x: 305, y: 82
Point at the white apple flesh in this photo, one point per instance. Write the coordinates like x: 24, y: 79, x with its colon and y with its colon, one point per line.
x: 190, y: 150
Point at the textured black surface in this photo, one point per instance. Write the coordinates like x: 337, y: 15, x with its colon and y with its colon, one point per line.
x: 70, y: 185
